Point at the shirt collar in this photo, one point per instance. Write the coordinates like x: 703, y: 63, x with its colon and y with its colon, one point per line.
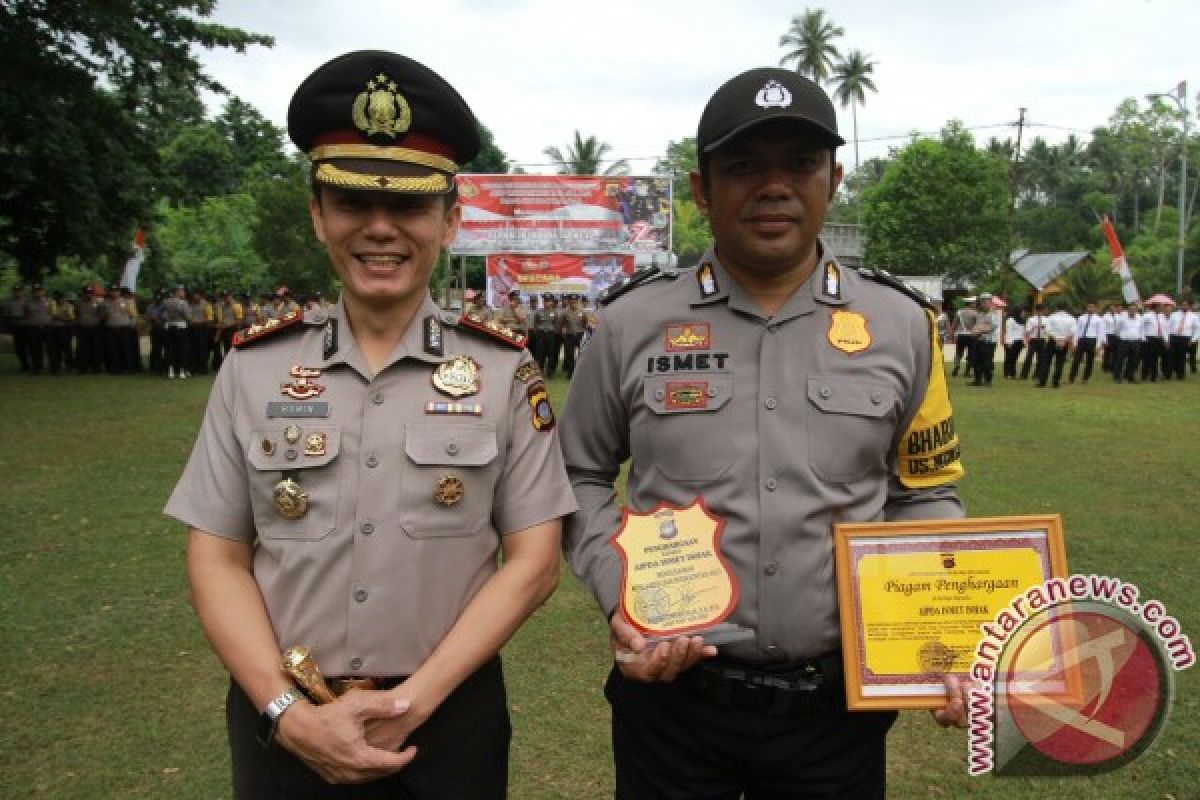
x: 344, y: 349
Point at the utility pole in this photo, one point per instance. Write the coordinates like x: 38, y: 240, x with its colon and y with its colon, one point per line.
x: 1010, y: 241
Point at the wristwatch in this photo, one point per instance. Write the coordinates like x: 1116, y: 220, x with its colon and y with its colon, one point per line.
x: 268, y: 723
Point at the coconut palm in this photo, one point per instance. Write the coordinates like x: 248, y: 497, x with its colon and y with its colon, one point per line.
x: 584, y: 157
x: 853, y: 78
x: 810, y: 39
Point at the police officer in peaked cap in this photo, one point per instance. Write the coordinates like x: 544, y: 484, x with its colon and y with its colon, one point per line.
x: 777, y: 391
x: 360, y: 469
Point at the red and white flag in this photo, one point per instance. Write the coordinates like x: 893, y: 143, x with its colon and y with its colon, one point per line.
x: 1119, y: 265
x: 134, y: 264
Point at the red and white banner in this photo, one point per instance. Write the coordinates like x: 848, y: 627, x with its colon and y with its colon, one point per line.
x: 1119, y: 264
x: 563, y: 214
x: 557, y: 273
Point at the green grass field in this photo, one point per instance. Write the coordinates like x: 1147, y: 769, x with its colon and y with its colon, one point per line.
x: 108, y: 689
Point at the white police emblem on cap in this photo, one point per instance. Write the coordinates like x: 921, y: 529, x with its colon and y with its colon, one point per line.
x: 773, y: 94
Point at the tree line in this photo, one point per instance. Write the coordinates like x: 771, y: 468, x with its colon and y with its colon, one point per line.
x: 104, y: 132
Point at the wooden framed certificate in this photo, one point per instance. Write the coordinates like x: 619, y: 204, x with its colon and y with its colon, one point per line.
x: 912, y: 597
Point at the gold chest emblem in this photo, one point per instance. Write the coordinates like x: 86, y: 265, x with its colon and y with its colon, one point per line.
x: 458, y: 377
x: 848, y: 332
x: 381, y: 109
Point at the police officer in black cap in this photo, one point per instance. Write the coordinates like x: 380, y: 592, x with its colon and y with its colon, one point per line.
x: 361, y: 469
x: 799, y: 376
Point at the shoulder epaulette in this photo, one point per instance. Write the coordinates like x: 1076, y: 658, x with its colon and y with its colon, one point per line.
x: 271, y: 327
x: 492, y: 329
x: 642, y: 277
x: 888, y: 279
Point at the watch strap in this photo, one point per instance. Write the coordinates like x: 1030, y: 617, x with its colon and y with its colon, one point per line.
x: 268, y: 722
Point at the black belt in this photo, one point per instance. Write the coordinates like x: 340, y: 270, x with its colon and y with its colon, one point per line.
x: 812, y: 686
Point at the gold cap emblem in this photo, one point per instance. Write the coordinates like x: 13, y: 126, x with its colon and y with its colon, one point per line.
x: 381, y: 109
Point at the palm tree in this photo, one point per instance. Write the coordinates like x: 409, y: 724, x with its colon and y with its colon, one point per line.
x: 584, y: 156
x: 853, y: 77
x: 810, y: 39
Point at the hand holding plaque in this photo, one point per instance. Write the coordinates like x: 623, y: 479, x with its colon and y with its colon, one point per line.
x: 675, y: 581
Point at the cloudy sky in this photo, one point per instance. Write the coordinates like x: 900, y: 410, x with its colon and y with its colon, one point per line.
x: 636, y: 73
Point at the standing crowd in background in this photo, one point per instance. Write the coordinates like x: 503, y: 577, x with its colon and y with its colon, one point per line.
x: 95, y: 331
x: 1140, y: 341
x: 556, y: 327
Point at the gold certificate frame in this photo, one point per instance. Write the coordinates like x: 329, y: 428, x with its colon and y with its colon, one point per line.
x: 913, y: 595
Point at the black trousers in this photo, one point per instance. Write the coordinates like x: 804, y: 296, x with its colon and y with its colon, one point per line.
x: 199, y: 342
x: 177, y: 348
x: 1085, y: 350
x: 35, y: 347
x: 962, y: 347
x: 1125, y: 362
x: 1176, y: 360
x: 1037, y: 347
x: 1012, y: 352
x: 1150, y: 355
x: 983, y: 354
x: 20, y: 339
x: 89, y: 348
x: 550, y: 345
x: 58, y: 347
x: 1110, y: 352
x: 570, y: 345
x: 462, y: 752
x: 1054, y: 356
x: 670, y: 742
x: 1192, y: 356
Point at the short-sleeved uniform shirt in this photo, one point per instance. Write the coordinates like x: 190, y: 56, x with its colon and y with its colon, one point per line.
x: 408, y: 489
x: 834, y: 409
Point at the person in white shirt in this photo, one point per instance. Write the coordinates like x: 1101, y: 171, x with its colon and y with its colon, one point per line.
x: 1194, y: 326
x: 1128, y: 329
x: 1089, y: 330
x: 1181, y: 328
x: 1154, y: 341
x: 1060, y: 335
x: 1035, y: 341
x: 1014, y: 342
x: 1110, y: 335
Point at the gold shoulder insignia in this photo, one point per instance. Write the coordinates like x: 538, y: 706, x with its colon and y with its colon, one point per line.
x: 271, y: 327
x: 492, y: 329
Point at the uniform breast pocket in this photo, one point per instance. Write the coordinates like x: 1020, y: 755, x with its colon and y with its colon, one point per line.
x: 681, y: 431
x: 306, y: 508
x: 851, y: 425
x: 447, y: 490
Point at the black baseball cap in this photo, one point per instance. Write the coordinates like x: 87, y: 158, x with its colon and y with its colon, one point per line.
x: 762, y: 94
x: 379, y: 121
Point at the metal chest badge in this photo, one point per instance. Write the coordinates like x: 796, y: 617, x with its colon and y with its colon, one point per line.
x: 290, y: 500
x: 303, y: 385
x: 449, y: 491
x: 848, y: 332
x: 458, y: 377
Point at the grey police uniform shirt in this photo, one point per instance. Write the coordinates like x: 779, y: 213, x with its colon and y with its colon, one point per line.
x: 780, y: 432
x: 376, y: 572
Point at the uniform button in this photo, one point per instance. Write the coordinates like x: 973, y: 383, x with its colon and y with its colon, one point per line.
x: 826, y: 392
x: 658, y: 394
x: 770, y: 404
x: 372, y: 461
x: 356, y: 664
x: 291, y: 455
x: 452, y: 449
x: 711, y: 391
x: 367, y: 528
x: 360, y: 595
x: 377, y: 398
x: 772, y: 328
x: 771, y: 568
x: 772, y: 484
x: 876, y: 398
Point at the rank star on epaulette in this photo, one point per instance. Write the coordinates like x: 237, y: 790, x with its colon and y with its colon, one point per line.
x: 493, y: 329
x: 433, y: 336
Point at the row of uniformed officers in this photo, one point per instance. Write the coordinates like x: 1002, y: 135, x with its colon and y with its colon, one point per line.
x: 97, y: 331
x: 552, y: 328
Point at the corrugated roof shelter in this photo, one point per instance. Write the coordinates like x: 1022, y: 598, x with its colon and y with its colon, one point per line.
x: 1042, y: 269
